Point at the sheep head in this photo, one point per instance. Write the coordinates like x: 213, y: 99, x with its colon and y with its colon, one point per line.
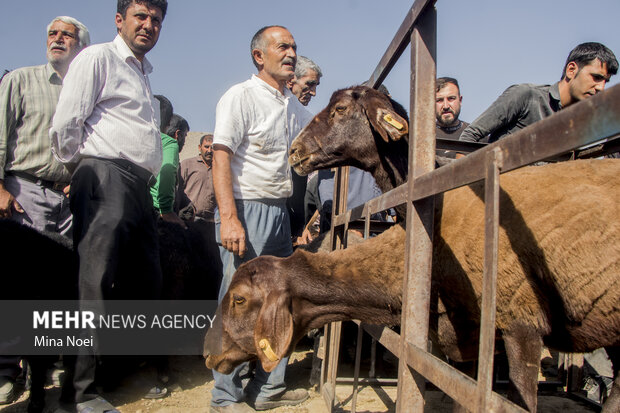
x: 348, y: 131
x: 255, y: 319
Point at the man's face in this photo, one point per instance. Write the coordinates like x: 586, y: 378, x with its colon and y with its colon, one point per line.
x: 140, y: 27
x: 206, y: 150
x: 279, y: 57
x: 62, y: 43
x: 448, y: 105
x: 305, y: 87
x: 587, y: 81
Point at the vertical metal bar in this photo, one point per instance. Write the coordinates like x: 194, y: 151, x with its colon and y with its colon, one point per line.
x: 360, y: 331
x: 341, y: 190
x: 366, y: 223
x: 418, y: 247
x: 323, y: 347
x: 373, y: 358
x: 489, y: 282
x: 356, y: 373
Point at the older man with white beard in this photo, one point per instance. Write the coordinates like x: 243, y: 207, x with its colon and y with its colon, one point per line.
x: 31, y: 180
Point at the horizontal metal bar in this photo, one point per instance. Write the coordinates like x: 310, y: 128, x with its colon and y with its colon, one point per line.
x: 367, y: 381
x: 390, y: 199
x: 458, y: 146
x: 376, y: 227
x: 605, y: 148
x: 399, y: 44
x: 384, y: 335
x: 460, y: 387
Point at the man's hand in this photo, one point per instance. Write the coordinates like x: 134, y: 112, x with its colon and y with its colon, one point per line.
x: 8, y: 203
x: 173, y: 218
x: 233, y: 236
x: 305, y: 239
x: 67, y: 190
x: 231, y: 230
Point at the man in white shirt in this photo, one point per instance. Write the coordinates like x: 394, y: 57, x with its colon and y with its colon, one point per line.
x: 106, y: 127
x: 254, y: 125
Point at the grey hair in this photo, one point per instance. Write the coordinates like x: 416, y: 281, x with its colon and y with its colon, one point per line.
x: 83, y: 35
x: 303, y: 65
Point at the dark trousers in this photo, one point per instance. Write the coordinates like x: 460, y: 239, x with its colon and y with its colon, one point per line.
x: 114, y: 231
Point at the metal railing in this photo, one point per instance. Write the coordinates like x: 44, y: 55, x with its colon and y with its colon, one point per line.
x: 595, y: 120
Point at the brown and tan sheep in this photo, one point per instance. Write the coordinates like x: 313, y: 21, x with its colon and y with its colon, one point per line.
x: 558, y: 272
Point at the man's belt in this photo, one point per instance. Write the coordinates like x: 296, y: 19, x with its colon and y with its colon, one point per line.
x: 54, y: 186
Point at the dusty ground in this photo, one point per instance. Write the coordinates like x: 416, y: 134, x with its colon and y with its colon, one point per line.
x: 192, y: 394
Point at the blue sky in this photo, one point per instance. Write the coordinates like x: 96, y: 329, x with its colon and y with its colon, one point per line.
x: 204, y: 45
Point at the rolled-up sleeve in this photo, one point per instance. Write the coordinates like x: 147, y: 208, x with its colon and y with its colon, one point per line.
x: 81, y: 87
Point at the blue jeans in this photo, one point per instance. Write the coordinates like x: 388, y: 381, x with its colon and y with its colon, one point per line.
x: 268, y: 232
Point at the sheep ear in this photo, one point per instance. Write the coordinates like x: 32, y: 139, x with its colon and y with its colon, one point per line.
x: 274, y: 329
x: 388, y: 123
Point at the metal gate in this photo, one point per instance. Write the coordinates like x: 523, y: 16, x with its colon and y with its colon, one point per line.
x: 597, y: 120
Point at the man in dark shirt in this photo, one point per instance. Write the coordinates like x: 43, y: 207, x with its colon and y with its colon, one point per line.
x: 588, y: 68
x: 448, y: 101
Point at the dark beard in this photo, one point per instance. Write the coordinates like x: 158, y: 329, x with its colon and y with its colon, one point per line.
x: 455, y: 122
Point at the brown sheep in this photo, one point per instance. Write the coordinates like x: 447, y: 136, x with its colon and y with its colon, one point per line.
x: 558, y: 272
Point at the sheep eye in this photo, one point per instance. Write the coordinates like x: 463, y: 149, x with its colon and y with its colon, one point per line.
x: 238, y: 299
x: 341, y: 109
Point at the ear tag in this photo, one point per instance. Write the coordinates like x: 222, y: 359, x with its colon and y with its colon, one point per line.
x: 389, y: 119
x: 266, y: 347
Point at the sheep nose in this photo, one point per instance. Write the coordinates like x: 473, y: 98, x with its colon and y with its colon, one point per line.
x: 293, y: 153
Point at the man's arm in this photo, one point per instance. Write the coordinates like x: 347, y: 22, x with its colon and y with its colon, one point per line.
x: 231, y: 229
x: 167, y: 182
x: 80, y: 89
x: 8, y: 113
x: 505, y: 110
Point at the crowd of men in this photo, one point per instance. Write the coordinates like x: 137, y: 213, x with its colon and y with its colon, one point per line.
x: 95, y: 157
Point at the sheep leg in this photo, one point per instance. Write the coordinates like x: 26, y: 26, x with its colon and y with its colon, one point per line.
x: 523, y: 348
x: 612, y: 404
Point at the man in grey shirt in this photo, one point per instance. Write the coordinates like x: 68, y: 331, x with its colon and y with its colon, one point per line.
x: 588, y: 68
x: 31, y: 180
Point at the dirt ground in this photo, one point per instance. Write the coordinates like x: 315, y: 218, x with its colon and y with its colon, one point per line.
x: 192, y: 393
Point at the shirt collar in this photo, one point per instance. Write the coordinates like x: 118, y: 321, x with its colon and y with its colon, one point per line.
x: 554, y: 92
x: 125, y: 52
x: 51, y: 74
x: 272, y: 90
x: 450, y: 129
x: 199, y: 160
